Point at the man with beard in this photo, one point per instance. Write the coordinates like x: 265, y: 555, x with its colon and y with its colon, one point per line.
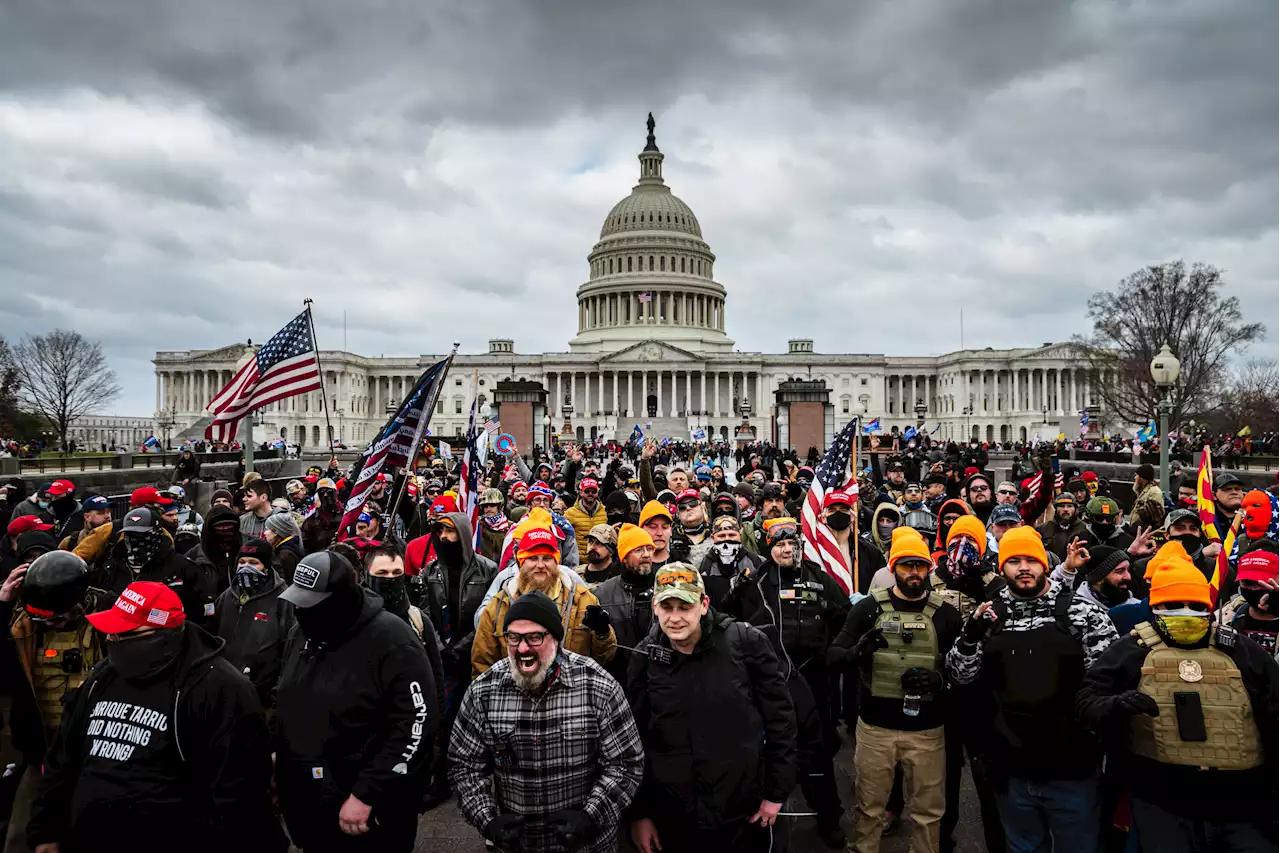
x: 602, y: 563
x: 219, y: 547
x: 627, y: 598
x: 1148, y: 503
x: 165, y: 732
x: 148, y: 555
x: 253, y: 621
x: 713, y: 780
x: 300, y: 501
x: 655, y: 518
x: 1007, y: 493
x: 773, y: 503
x: 456, y: 581
x: 800, y: 608
x: 978, y: 493
x: 895, y: 639
x: 727, y: 503
x: 837, y: 514
x: 1045, y: 761
x: 1190, y: 714
x: 91, y: 542
x: 587, y: 629
x: 1106, y: 576
x: 726, y: 559
x: 1064, y: 527
x: 587, y: 512
x: 356, y: 714
x: 521, y: 779
x: 43, y: 604
x: 1254, y: 612
x: 517, y: 495
x: 320, y: 528
x: 895, y: 482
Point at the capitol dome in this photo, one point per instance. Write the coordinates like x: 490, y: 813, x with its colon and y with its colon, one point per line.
x: 651, y: 272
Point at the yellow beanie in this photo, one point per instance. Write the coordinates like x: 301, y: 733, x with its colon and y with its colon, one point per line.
x: 1022, y: 542
x: 969, y: 525
x: 908, y: 544
x: 652, y: 510
x: 630, y: 538
x: 1169, y: 554
x: 1177, y: 578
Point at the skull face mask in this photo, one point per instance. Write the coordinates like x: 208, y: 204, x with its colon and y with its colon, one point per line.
x: 141, y: 548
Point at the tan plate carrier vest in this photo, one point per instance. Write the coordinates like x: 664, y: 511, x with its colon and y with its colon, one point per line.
x: 921, y: 650
x: 1232, y: 742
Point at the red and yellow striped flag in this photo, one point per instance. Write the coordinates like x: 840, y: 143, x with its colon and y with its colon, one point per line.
x: 1208, y: 509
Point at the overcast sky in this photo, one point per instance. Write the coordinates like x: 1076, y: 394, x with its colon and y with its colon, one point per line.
x: 180, y: 175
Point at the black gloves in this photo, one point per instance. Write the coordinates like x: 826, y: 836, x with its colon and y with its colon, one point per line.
x: 504, y: 829
x: 1136, y: 702
x: 918, y: 681
x: 679, y: 549
x: 573, y: 827
x: 978, y: 628
x: 448, y: 658
x: 597, y: 619
x: 871, y: 642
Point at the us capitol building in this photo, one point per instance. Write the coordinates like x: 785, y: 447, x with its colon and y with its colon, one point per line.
x: 651, y: 350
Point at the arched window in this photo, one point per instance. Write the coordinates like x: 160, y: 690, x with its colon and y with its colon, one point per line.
x: 315, y: 435
x: 651, y: 263
x: 682, y: 265
x: 628, y: 263
x: 662, y: 264
x: 611, y: 265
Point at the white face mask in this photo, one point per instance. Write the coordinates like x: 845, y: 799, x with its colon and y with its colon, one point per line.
x: 728, y: 552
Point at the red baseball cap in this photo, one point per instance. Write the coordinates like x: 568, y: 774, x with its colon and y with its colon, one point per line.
x: 1089, y: 477
x: 588, y: 483
x: 837, y: 498
x: 381, y: 478
x: 24, y: 523
x: 59, y: 488
x: 143, y: 603
x: 1258, y: 566
x: 149, y: 495
x: 444, y: 503
x: 688, y: 495
x: 539, y: 540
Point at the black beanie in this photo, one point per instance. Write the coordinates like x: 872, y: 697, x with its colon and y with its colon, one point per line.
x: 1102, y: 561
x: 617, y: 503
x: 258, y: 549
x: 538, y: 608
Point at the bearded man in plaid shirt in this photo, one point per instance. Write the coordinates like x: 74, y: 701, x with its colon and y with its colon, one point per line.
x: 554, y: 733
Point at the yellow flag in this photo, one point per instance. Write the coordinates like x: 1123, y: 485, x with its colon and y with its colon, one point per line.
x: 1245, y: 433
x: 1062, y: 436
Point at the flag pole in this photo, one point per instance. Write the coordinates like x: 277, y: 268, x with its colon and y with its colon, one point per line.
x: 428, y: 408
x: 324, y: 393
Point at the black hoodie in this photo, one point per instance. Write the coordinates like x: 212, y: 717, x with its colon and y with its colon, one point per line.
x: 354, y: 716
x: 255, y: 631
x: 218, y: 566
x: 181, y: 759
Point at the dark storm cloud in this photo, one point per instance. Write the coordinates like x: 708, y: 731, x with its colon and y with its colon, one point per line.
x: 181, y: 175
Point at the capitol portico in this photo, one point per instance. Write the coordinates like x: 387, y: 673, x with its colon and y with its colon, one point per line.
x: 651, y: 350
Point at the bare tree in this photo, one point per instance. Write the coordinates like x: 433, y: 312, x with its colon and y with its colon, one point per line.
x: 9, y: 414
x: 63, y: 377
x: 1164, y: 304
x: 1251, y: 398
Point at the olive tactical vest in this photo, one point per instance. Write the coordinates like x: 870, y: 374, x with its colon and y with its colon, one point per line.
x: 55, y: 673
x: 1232, y: 733
x: 961, y: 602
x: 912, y: 639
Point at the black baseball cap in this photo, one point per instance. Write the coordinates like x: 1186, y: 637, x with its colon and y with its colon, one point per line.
x: 770, y: 490
x: 316, y: 577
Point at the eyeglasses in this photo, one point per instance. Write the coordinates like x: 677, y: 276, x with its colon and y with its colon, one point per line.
x: 533, y: 639
x: 977, y: 488
x: 687, y: 505
x: 1006, y: 493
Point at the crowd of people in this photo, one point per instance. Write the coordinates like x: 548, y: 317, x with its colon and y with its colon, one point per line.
x: 632, y: 644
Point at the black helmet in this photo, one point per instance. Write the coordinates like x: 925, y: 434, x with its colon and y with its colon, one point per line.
x: 54, y: 584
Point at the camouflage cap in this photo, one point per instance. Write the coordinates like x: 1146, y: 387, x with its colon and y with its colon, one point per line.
x: 680, y: 581
x: 604, y: 534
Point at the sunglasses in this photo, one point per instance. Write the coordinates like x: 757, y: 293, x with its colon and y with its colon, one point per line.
x: 1007, y: 493
x: 591, y: 493
x: 533, y: 639
x: 687, y: 505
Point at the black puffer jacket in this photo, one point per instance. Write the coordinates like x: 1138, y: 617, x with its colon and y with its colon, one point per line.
x: 705, y: 767
x: 354, y: 716
x: 458, y: 630
x: 800, y: 610
x: 218, y: 565
x: 186, y: 757
x: 255, y: 631
x: 628, y: 599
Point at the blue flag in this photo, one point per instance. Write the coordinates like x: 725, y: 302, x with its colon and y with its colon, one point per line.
x: 637, y: 434
x: 874, y: 426
x: 910, y: 433
x: 1148, y: 432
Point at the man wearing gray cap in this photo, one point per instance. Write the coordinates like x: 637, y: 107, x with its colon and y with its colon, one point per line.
x: 285, y: 538
x: 355, y: 713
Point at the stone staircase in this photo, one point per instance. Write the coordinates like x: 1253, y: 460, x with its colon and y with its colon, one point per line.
x: 656, y: 428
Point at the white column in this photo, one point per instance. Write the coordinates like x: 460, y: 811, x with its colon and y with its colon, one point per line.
x: 600, y: 391
x: 688, y: 392
x: 630, y: 398
x: 702, y: 403
x: 573, y: 391
x: 158, y: 399
x: 664, y: 402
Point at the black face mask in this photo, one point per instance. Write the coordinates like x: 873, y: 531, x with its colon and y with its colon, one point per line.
x: 621, y: 518
x: 332, y: 617
x: 393, y: 592
x: 1255, y: 596
x: 1103, y: 531
x: 328, y: 499
x: 839, y: 521
x: 143, y: 656
x: 450, y: 552
x: 1190, y: 541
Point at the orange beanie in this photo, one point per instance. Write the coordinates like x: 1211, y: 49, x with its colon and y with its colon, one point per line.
x: 1022, y: 542
x: 1178, y: 579
x: 630, y: 538
x: 969, y: 525
x: 1169, y: 554
x: 908, y: 544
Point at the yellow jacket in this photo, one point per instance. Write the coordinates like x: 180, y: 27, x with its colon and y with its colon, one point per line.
x: 93, y: 546
x: 582, y: 524
x: 490, y: 646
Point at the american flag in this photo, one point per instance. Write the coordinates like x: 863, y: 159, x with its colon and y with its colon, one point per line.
x: 832, y: 475
x: 645, y: 296
x: 398, y: 441
x: 469, y: 476
x: 283, y: 367
x: 492, y: 428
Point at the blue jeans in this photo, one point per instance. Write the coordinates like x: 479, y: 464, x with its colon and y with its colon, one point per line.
x: 1060, y: 815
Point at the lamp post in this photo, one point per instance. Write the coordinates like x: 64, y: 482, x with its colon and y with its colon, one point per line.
x: 967, y: 411
x: 1164, y: 370
x: 920, y: 410
x: 342, y: 427
x: 546, y: 433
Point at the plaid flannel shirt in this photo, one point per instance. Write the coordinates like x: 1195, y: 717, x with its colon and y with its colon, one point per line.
x: 574, y: 747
